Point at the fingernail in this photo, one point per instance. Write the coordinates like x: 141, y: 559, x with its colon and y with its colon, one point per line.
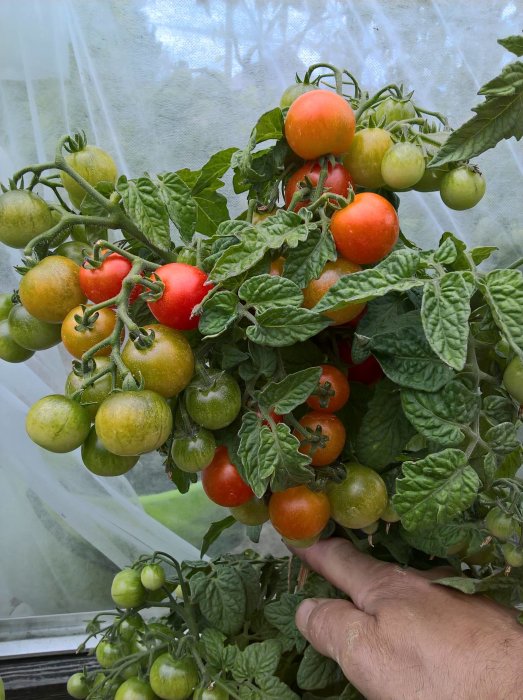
x: 303, y: 613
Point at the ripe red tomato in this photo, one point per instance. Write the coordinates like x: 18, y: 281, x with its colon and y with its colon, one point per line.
x: 319, y: 122
x: 331, y: 427
x: 299, y: 513
x: 316, y: 289
x: 367, y: 372
x: 366, y: 230
x: 185, y: 287
x: 104, y: 282
x: 338, y: 384
x: 338, y: 181
x: 222, y: 482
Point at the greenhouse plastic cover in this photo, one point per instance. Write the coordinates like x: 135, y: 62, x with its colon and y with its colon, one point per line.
x: 162, y: 85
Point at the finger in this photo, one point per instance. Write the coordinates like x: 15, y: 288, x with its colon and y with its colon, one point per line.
x: 358, y: 575
x: 337, y: 629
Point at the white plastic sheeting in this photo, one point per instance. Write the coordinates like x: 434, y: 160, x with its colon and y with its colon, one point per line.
x: 163, y: 84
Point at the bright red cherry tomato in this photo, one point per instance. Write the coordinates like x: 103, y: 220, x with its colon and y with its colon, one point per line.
x: 338, y: 181
x: 185, y: 287
x: 366, y: 230
x: 299, y: 513
x: 222, y: 482
x: 104, y: 282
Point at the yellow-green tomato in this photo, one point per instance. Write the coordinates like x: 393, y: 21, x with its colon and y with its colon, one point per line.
x: 135, y: 689
x: 94, y: 165
x: 93, y: 395
x: 133, y: 422
x: 212, y: 692
x: 402, y: 166
x: 363, y: 159
x: 108, y: 653
x: 100, y: 461
x: 6, y: 304
x: 152, y: 577
x: 77, y: 686
x: 173, y: 679
x: 127, y: 589
x: 9, y: 350
x: 513, y: 379
x: 166, y: 366
x: 254, y: 512
x: 57, y: 423
x: 30, y: 332
x: 359, y: 499
x: 462, y: 188
x: 23, y: 216
x: 390, y: 515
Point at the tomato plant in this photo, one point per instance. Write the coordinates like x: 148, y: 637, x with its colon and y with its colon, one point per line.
x: 299, y: 513
x: 193, y: 452
x: 337, y: 180
x: 319, y: 122
x: 222, y: 482
x: 166, y: 365
x: 185, y: 287
x: 366, y: 230
x: 23, y: 215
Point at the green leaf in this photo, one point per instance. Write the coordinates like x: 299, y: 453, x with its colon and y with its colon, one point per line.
x: 219, y: 312
x: 238, y: 258
x: 435, y: 489
x: 142, y: 202
x: 514, y: 44
x: 269, y: 125
x: 384, y: 431
x: 317, y: 671
x: 446, y: 253
x: 286, y: 395
x: 232, y: 356
x: 279, y: 451
x: 213, y: 170
x: 262, y: 362
x: 214, y: 531
x: 257, y: 661
x: 407, y: 359
x: 269, y: 291
x: 286, y: 325
x: 181, y: 479
x: 503, y: 438
x: 504, y: 295
x: 444, y: 312
x: 211, y: 210
x: 499, y: 409
x: 440, y: 415
x: 274, y: 689
x: 395, y: 273
x: 499, y: 117
x: 180, y: 204
x: 213, y: 642
x: 510, y: 465
x: 470, y: 586
x: 305, y: 262
x: 481, y: 253
x: 256, y: 471
x: 439, y: 540
x: 280, y: 613
x: 221, y: 597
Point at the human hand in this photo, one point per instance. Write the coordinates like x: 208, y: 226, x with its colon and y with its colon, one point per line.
x: 404, y: 638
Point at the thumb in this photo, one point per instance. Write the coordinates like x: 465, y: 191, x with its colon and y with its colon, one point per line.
x: 336, y: 628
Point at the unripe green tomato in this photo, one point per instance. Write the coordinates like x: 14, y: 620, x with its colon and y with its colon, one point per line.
x: 431, y: 179
x: 187, y: 255
x: 372, y: 528
x: 77, y: 686
x: 301, y: 544
x: 108, y: 653
x: 390, y: 515
x: 210, y: 693
x: 127, y: 589
x: 214, y: 406
x: 513, y: 379
x: 135, y: 689
x: 57, y: 423
x: 100, y: 461
x: 480, y: 557
x: 152, y: 577
x: 501, y: 525
x: 173, y: 679
x: 402, y: 166
x: 93, y: 395
x: 462, y: 188
x: 192, y: 453
x: 359, y: 499
x: 363, y: 159
x: 254, y: 512
x: 76, y: 251
x: 30, y: 332
x: 294, y: 91
x: 9, y: 350
x: 130, y: 625
x: 94, y: 165
x: 23, y: 216
x: 513, y: 554
x: 6, y: 304
x: 393, y: 109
